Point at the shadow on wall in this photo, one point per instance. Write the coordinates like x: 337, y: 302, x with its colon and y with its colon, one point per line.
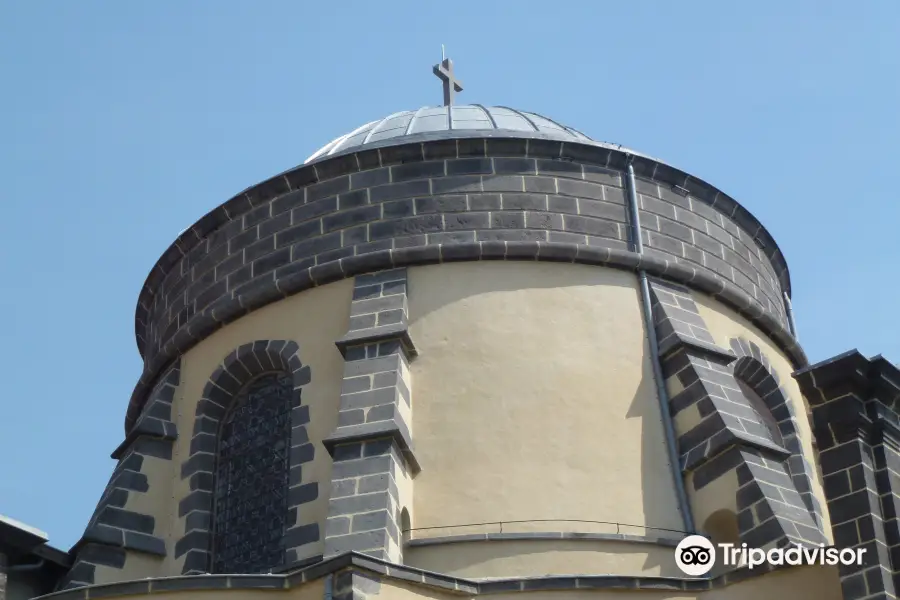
x: 660, y: 500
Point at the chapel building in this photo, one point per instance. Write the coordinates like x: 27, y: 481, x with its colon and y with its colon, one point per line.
x: 469, y: 351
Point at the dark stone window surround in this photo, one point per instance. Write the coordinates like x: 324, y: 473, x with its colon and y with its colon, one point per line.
x: 730, y: 436
x: 298, y: 187
x: 753, y: 367
x: 241, y: 366
x: 113, y: 531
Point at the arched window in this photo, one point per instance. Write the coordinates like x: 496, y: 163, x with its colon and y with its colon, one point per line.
x: 764, y: 393
x: 759, y: 407
x: 252, y: 478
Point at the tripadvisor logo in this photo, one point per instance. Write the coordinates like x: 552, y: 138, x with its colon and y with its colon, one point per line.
x: 695, y: 555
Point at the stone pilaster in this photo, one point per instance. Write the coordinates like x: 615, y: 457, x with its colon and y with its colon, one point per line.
x: 372, y: 444
x: 853, y: 402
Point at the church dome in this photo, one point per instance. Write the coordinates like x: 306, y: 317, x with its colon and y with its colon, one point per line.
x: 456, y: 121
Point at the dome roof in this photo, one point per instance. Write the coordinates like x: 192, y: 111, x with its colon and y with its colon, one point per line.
x: 462, y: 120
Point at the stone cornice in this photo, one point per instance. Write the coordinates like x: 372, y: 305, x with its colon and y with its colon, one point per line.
x: 372, y: 335
x: 851, y: 372
x: 393, y: 429
x: 154, y: 428
x: 390, y: 571
x: 695, y: 346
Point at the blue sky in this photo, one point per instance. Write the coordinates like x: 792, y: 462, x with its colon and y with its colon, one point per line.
x: 121, y: 123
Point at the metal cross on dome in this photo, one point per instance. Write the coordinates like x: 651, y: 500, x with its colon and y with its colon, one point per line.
x: 444, y: 71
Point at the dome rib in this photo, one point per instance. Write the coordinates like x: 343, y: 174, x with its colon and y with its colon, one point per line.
x: 381, y: 125
x: 327, y: 148
x: 487, y: 114
x: 555, y: 122
x: 336, y: 146
x: 523, y: 115
x: 412, y: 121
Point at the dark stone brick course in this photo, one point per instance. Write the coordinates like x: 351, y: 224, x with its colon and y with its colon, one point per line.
x: 457, y: 184
x: 507, y: 220
x: 396, y: 191
x: 506, y: 147
x: 423, y: 170
x: 370, y: 178
x: 303, y: 231
x: 312, y: 210
x: 592, y: 226
x: 503, y: 183
x: 409, y: 193
x: 327, y: 188
x: 348, y: 218
x: 288, y: 201
x: 399, y: 208
x: 513, y: 166
x: 440, y: 149
x: 124, y: 519
x: 559, y: 168
x: 440, y: 204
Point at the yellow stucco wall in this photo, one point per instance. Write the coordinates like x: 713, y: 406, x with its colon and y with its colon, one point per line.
x: 719, y: 494
x: 526, y: 558
x: 725, y: 324
x: 535, y: 398
x: 314, y: 319
x: 137, y: 566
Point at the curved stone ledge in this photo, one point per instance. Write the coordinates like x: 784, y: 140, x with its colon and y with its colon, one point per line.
x: 328, y: 178
x: 543, y: 536
x: 390, y: 571
x: 227, y: 309
x: 117, y: 537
